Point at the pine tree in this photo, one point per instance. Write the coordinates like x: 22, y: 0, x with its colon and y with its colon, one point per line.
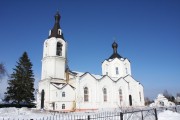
x: 21, y: 83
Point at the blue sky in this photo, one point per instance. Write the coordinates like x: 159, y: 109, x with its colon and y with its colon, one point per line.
x: 147, y: 32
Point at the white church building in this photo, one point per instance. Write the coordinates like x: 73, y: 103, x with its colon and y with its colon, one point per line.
x: 61, y: 89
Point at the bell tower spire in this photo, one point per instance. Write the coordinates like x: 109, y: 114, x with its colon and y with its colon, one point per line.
x: 56, y: 30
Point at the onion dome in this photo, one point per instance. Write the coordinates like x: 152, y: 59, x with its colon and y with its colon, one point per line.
x: 115, y: 53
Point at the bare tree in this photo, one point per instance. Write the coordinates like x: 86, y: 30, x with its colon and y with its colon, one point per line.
x: 166, y: 94
x: 169, y: 96
x: 148, y: 101
x: 178, y: 95
x: 2, y: 71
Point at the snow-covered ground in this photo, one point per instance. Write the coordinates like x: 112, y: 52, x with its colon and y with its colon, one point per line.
x: 168, y: 115
x: 21, y: 113
x: 27, y: 114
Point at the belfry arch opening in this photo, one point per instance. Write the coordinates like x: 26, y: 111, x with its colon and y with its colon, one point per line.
x: 59, y: 49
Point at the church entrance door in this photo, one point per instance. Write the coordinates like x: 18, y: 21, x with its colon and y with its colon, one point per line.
x: 130, y: 100
x: 42, y: 99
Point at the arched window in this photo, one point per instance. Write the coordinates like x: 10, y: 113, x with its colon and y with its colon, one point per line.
x: 63, y: 106
x: 63, y: 94
x: 59, y: 49
x: 59, y: 31
x: 126, y: 71
x: 140, y: 96
x: 120, y: 95
x: 117, y: 71
x: 86, y: 94
x: 105, y: 94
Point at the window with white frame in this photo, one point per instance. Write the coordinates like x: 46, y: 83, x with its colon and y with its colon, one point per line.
x: 105, y: 94
x: 63, y: 94
x: 117, y: 71
x: 86, y: 94
x: 126, y: 71
x: 63, y: 106
x: 120, y: 95
x: 106, y: 73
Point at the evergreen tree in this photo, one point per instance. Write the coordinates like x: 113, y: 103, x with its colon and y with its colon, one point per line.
x: 21, y: 83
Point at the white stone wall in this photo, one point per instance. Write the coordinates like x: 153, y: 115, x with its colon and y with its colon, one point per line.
x: 134, y: 88
x: 53, y: 66
x: 122, y: 84
x: 44, y: 85
x: 58, y: 99
x: 95, y: 87
x: 50, y: 47
x: 86, y: 81
x: 109, y: 67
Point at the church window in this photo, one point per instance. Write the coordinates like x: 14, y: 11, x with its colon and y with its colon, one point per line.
x: 105, y: 94
x: 46, y: 44
x: 59, y: 31
x: 106, y: 73
x: 86, y: 94
x: 117, y: 71
x: 63, y: 94
x: 140, y: 95
x: 120, y: 95
x: 63, y: 106
x: 126, y: 71
x: 59, y: 49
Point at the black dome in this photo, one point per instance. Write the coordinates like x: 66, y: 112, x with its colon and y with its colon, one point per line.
x: 115, y: 53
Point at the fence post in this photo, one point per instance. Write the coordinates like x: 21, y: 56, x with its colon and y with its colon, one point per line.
x: 88, y: 117
x: 142, y: 115
x: 155, y: 111
x: 121, y: 116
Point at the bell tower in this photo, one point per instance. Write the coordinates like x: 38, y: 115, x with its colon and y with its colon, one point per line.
x: 54, y: 53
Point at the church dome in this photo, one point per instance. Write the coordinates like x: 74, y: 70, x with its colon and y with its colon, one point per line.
x: 115, y: 53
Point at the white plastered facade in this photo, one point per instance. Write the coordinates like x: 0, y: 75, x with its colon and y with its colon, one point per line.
x: 64, y: 90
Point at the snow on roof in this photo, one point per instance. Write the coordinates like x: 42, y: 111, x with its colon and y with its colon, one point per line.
x: 60, y: 85
x: 82, y: 73
x: 79, y: 74
x: 97, y: 76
